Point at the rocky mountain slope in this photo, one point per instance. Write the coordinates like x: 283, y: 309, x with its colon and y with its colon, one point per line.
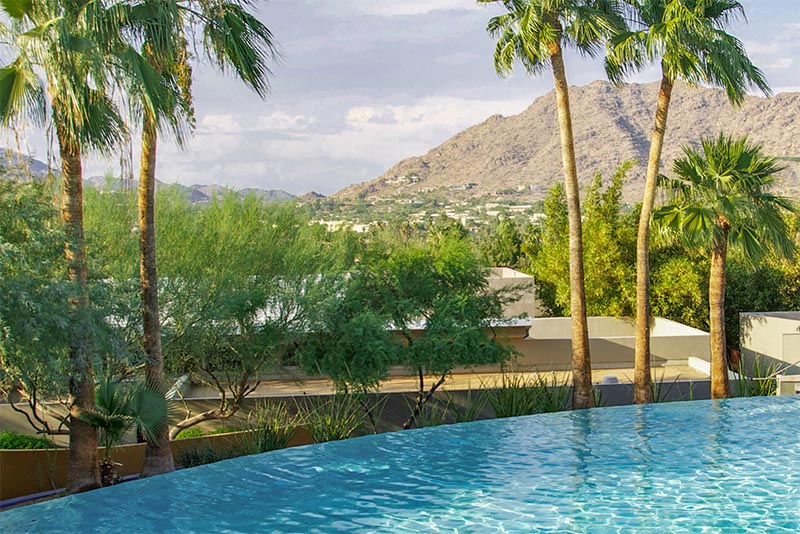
x: 521, y: 154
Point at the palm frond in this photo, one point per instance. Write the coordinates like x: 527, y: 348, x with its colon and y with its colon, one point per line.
x: 690, y: 41
x: 723, y: 192
x: 21, y: 94
x: 234, y: 38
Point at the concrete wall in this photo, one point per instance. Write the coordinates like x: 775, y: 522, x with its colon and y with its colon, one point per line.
x: 28, y: 472
x: 773, y: 337
x: 503, y: 277
x: 611, y: 343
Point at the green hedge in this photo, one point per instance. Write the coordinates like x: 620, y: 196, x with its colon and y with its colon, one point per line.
x: 12, y: 440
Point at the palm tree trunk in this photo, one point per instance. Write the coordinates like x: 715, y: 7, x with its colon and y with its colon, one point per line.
x: 720, y: 386
x: 83, y: 471
x: 158, y: 453
x: 582, y: 395
x: 642, y: 381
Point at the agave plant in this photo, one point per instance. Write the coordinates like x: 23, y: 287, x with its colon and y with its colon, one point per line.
x: 119, y: 408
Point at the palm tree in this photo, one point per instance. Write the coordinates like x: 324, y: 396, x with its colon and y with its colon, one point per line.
x: 533, y: 33
x: 720, y: 198
x: 687, y: 38
x: 79, y: 50
x: 233, y: 38
x: 118, y: 409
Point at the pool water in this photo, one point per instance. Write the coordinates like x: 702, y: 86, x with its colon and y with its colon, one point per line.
x: 701, y: 466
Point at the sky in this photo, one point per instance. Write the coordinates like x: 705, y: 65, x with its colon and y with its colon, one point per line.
x: 363, y: 84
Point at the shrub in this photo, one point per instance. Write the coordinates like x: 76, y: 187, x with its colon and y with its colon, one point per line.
x: 334, y: 419
x: 762, y: 380
x: 201, y: 456
x: 13, y: 440
x: 470, y: 409
x: 269, y: 427
x: 520, y: 396
x: 189, y: 433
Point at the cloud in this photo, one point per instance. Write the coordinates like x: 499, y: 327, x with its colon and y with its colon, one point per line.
x: 384, y: 134
x: 388, y: 8
x: 236, y: 123
x: 781, y: 63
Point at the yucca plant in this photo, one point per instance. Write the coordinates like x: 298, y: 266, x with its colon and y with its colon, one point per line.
x: 518, y: 395
x: 433, y: 414
x: 119, y: 408
x: 470, y: 409
x: 762, y: 380
x: 269, y: 427
x: 335, y: 419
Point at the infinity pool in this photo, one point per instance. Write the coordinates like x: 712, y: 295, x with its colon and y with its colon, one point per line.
x: 730, y: 466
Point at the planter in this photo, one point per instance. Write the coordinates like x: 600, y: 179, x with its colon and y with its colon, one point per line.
x: 32, y: 471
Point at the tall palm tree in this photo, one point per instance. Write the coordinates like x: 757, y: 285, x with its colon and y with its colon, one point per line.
x: 79, y: 51
x: 688, y: 39
x: 721, y: 198
x: 232, y: 37
x: 533, y: 32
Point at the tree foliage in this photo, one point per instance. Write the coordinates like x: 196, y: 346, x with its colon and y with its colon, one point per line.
x: 416, y: 302
x: 609, y: 237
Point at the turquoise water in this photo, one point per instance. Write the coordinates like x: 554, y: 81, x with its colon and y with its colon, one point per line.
x: 702, y: 466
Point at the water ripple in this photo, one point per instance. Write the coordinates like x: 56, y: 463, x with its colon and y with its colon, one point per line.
x: 727, y: 466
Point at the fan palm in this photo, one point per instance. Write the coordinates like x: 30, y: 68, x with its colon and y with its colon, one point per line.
x: 687, y: 37
x: 117, y: 411
x: 721, y: 198
x: 232, y: 38
x: 79, y: 51
x: 533, y: 33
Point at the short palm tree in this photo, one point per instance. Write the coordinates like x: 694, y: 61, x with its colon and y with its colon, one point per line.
x: 687, y: 38
x: 77, y: 51
x: 533, y: 32
x: 118, y: 409
x: 722, y: 198
x: 233, y: 38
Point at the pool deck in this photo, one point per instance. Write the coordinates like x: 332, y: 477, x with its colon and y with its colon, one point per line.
x: 461, y: 381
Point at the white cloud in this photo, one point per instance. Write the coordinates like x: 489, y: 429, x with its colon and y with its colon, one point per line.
x: 762, y: 47
x: 218, y: 124
x: 385, y: 134
x: 390, y: 8
x: 780, y: 63
x: 237, y: 123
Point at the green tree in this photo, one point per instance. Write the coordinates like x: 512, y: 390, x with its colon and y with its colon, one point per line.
x: 533, y: 33
x: 349, y: 341
x: 234, y: 294
x: 721, y: 197
x: 679, y: 288
x: 436, y: 297
x: 34, y: 317
x: 232, y: 38
x: 774, y: 285
x: 608, y: 245
x: 687, y: 38
x: 80, y: 52
x: 500, y: 244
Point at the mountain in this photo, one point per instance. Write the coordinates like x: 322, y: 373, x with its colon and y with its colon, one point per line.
x: 15, y: 165
x: 195, y: 193
x: 12, y: 163
x: 521, y: 154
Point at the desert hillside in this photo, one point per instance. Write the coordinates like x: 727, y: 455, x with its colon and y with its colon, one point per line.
x: 612, y: 125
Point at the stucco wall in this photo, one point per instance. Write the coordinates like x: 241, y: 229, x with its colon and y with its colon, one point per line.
x: 503, y: 277
x: 611, y: 343
x: 773, y: 337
